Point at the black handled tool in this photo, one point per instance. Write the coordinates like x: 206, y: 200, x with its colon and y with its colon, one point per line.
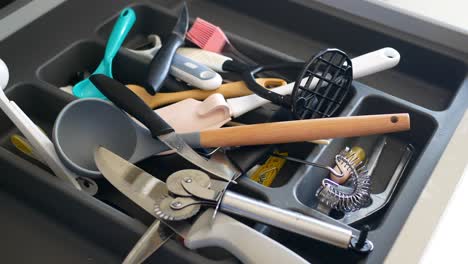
x: 124, y: 98
x: 161, y: 62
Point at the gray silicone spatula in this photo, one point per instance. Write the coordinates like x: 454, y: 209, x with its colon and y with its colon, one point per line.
x: 85, y: 124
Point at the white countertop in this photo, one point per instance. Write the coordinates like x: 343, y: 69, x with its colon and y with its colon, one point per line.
x: 452, y: 13
x: 435, y: 231
x: 440, y: 22
x: 448, y: 242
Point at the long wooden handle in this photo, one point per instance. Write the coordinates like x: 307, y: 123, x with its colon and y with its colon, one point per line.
x: 228, y: 90
x: 304, y: 130
x: 237, y: 89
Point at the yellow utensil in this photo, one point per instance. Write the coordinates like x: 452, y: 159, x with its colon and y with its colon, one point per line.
x: 356, y: 156
x: 228, y: 90
x: 22, y: 144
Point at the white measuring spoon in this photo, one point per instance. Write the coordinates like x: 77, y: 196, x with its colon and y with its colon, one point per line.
x: 215, y: 111
x: 39, y: 141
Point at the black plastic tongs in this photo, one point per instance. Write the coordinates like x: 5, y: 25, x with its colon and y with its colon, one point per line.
x: 161, y: 62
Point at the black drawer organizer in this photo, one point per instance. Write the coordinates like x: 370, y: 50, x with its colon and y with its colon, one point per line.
x: 430, y: 84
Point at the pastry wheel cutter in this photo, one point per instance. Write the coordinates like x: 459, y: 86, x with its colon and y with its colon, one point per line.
x: 145, y: 190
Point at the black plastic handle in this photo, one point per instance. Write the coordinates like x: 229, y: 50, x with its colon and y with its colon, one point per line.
x: 124, y: 98
x: 248, y: 76
x: 161, y: 63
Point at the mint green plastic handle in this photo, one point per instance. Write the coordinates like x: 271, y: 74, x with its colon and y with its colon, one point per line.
x: 86, y: 88
x: 121, y: 28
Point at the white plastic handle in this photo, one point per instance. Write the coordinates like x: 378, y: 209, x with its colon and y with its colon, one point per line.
x: 195, y: 73
x: 210, y: 59
x: 190, y: 71
x: 244, y: 104
x: 376, y: 61
x: 364, y: 65
x: 149, y: 53
x: 4, y: 74
x: 248, y: 245
x: 40, y: 142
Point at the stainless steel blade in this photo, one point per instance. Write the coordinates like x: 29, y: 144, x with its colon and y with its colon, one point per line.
x: 146, y: 190
x: 152, y: 239
x: 176, y: 143
x: 139, y: 186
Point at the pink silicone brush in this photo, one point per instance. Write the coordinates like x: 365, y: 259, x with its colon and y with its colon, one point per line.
x: 210, y: 37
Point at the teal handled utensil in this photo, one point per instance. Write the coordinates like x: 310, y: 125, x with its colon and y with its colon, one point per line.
x: 123, y: 25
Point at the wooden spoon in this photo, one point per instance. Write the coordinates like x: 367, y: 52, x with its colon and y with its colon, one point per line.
x: 228, y: 90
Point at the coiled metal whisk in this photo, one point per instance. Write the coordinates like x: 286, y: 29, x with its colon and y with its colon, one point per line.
x: 354, y: 195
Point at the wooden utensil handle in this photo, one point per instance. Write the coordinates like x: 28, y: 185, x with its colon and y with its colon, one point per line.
x: 228, y: 90
x: 304, y: 130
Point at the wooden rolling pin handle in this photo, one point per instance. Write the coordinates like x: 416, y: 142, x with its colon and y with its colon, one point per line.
x: 304, y: 130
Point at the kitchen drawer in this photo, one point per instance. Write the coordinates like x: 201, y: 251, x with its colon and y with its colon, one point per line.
x: 429, y: 83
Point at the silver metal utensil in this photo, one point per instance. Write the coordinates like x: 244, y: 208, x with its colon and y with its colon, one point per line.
x: 151, y: 240
x: 145, y: 190
x: 183, y: 195
x: 378, y: 201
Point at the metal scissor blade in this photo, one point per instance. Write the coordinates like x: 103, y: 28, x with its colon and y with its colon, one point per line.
x: 175, y: 142
x: 151, y: 240
x: 129, y: 179
x: 139, y: 186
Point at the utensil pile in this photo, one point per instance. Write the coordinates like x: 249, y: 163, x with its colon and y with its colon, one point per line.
x: 112, y: 126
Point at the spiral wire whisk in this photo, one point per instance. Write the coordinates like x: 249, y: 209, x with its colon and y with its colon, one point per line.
x: 355, y: 194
